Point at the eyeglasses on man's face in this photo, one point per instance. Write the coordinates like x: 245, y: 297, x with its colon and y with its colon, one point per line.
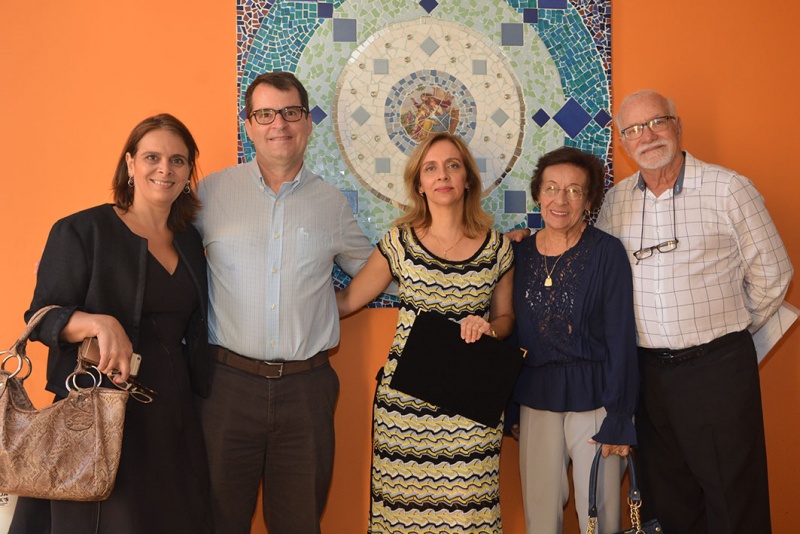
x: 656, y: 125
x: 666, y: 246
x: 289, y: 114
x: 572, y: 192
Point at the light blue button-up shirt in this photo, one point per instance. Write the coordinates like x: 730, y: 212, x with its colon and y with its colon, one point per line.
x: 270, y: 258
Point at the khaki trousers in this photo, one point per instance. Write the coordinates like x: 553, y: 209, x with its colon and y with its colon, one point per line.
x: 548, y: 442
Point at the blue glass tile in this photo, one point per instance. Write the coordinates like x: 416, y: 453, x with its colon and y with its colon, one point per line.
x: 344, y: 31
x: 572, y: 118
x: 535, y: 221
x: 530, y: 16
x: 511, y: 34
x: 602, y: 118
x: 428, y: 5
x: 514, y: 202
x: 552, y: 4
x: 318, y: 115
x: 541, y: 118
x: 324, y: 10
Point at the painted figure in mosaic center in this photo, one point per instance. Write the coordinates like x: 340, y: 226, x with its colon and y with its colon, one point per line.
x: 435, y: 113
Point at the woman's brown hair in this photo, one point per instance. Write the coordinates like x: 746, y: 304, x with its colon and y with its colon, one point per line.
x: 185, y: 208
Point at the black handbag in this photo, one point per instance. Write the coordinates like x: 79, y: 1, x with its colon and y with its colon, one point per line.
x: 634, y: 501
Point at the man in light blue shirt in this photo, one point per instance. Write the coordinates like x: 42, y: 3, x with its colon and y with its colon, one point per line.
x: 272, y: 231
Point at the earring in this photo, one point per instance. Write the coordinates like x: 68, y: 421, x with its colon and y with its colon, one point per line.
x: 421, y: 192
x: 186, y: 188
x: 130, y: 181
x: 587, y: 213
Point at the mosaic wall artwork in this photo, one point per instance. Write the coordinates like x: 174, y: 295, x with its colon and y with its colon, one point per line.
x: 515, y: 78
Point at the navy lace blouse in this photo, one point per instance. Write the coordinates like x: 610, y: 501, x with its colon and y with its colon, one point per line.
x: 580, y: 332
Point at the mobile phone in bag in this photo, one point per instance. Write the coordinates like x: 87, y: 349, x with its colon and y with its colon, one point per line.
x: 89, y: 353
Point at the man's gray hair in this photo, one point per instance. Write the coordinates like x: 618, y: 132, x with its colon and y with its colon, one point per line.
x: 642, y: 94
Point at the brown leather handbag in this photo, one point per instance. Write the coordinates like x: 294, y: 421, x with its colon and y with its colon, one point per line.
x: 66, y: 451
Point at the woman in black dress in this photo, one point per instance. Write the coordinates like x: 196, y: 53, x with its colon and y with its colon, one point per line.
x: 133, y: 274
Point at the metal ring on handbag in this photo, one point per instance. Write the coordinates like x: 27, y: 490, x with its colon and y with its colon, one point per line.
x: 21, y: 361
x: 71, y: 384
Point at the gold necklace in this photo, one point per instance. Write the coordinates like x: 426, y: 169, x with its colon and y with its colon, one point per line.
x: 446, y: 250
x: 548, y: 282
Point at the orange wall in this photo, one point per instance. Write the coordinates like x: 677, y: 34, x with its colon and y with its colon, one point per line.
x: 76, y: 76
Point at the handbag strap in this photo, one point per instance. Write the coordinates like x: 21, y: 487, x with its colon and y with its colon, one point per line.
x: 18, y: 349
x: 634, y: 496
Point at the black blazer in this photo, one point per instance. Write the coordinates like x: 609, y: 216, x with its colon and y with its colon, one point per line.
x: 92, y: 262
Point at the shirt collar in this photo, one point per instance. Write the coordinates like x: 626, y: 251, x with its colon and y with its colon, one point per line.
x: 255, y: 174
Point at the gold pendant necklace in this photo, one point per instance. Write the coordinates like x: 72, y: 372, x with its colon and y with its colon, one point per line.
x: 446, y: 250
x: 548, y: 282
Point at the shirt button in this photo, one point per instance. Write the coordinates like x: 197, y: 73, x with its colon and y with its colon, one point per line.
x: 272, y: 342
x: 274, y: 270
x: 278, y: 203
x: 276, y: 235
x: 271, y: 306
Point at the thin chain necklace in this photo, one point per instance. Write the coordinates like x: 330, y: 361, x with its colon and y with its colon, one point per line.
x: 446, y: 250
x: 548, y: 282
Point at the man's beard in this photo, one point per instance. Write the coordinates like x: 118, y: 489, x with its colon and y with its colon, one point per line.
x: 656, y: 159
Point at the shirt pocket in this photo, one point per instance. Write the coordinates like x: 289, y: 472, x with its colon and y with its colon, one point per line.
x: 314, y: 254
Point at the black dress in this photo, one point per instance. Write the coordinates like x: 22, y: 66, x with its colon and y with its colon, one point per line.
x: 162, y: 482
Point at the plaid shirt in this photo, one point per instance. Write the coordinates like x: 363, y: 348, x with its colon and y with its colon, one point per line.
x: 730, y: 270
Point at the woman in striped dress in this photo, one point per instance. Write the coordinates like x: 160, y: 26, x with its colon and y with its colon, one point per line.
x: 433, y: 471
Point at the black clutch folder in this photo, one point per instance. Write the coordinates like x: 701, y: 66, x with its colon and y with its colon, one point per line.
x: 474, y: 380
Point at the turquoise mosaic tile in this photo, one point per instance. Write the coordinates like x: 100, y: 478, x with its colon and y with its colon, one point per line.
x: 518, y: 77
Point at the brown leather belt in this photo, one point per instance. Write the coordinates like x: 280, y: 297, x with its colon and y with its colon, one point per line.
x: 675, y: 356
x: 268, y: 369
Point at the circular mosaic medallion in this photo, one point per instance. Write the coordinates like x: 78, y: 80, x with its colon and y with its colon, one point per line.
x: 417, y: 77
x: 427, y: 102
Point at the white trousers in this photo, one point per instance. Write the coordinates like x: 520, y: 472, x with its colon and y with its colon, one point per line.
x: 547, y: 443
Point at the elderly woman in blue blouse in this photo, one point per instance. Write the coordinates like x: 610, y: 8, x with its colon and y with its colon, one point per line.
x: 573, y: 300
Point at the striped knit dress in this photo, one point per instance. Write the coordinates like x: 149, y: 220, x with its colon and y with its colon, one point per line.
x: 433, y: 472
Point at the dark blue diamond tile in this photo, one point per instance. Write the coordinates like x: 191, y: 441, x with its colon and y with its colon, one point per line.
x: 602, y: 118
x: 572, y: 118
x: 317, y: 115
x: 541, y: 118
x: 428, y: 5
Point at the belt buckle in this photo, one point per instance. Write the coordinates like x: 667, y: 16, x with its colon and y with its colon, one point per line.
x: 279, y: 365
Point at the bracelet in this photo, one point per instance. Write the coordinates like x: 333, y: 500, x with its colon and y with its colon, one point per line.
x: 494, y: 334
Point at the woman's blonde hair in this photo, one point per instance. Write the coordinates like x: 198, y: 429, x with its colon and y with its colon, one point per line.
x: 475, y: 221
